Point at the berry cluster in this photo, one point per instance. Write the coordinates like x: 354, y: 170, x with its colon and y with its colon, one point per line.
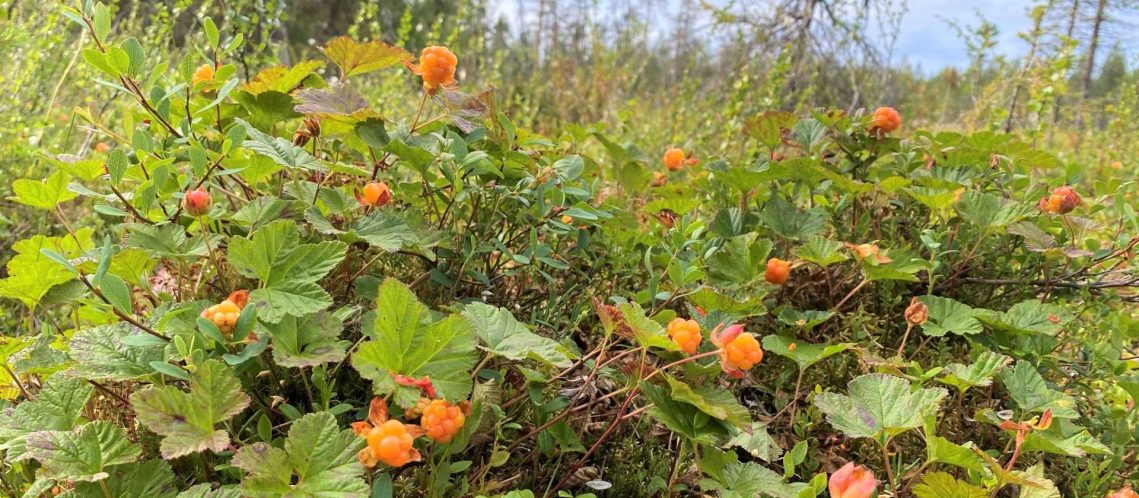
x: 392, y: 442
x: 686, y: 334
x: 442, y: 420
x: 225, y: 313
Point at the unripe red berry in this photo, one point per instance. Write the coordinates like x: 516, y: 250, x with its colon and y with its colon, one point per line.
x: 196, y: 202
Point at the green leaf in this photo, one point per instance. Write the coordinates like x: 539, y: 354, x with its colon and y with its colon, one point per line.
x: 1029, y: 318
x: 977, y: 374
x: 821, y: 251
x: 165, y: 241
x: 805, y: 354
x: 942, y: 485
x: 990, y: 211
x: 358, y: 58
x: 289, y: 299
x: 879, y: 406
x: 790, y: 222
x: 318, y: 461
x: 46, y: 194
x: 102, y: 353
x: 281, y: 79
x: 406, y: 340
x: 756, y: 441
x: 308, y: 341
x: 82, y: 454
x: 647, y: 332
x: 281, y: 151
x: 949, y: 316
x: 1077, y: 445
x: 683, y: 418
x: 719, y: 403
x: 750, y: 480
x: 768, y: 126
x: 1041, y: 487
x: 207, y: 491
x: 187, y: 419
x: 741, y: 260
x: 56, y: 408
x: 945, y: 451
x: 1032, y: 394
x: 147, y: 479
x: 505, y: 336
x: 32, y: 274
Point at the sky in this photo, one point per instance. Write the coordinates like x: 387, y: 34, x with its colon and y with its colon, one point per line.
x: 925, y: 40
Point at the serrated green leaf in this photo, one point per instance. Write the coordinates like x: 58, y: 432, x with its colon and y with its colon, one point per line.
x: 318, y: 461
x: 756, y: 441
x: 804, y: 354
x: 100, y: 353
x: 879, y: 406
x: 1029, y: 318
x: 147, y: 479
x: 56, y: 408
x: 187, y: 419
x: 942, y: 485
x: 1077, y: 445
x: 719, y: 403
x: 46, y: 194
x: 821, y: 251
x: 505, y: 336
x: 281, y: 151
x: 83, y: 454
x: 307, y: 341
x: 407, y: 341
x: 977, y: 374
x: 647, y: 332
x: 939, y: 449
x: 1028, y: 389
x: 949, y: 316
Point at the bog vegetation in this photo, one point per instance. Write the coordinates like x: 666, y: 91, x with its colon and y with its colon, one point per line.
x: 416, y: 256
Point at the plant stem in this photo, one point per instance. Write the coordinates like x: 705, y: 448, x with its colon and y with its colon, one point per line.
x: 889, y: 469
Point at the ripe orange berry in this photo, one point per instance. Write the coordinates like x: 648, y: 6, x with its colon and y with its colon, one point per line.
x: 375, y: 194
x: 674, y: 159
x: 196, y: 202
x: 442, y: 420
x: 567, y: 219
x: 743, y: 352
x: 686, y: 334
x: 391, y: 443
x: 885, y: 120
x: 204, y: 73
x: 437, y: 67
x: 102, y: 147
x: 225, y: 313
x: 777, y: 271
x: 1062, y: 201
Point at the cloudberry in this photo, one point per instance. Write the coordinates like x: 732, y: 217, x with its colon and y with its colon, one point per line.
x: 567, y: 219
x: 852, y: 481
x: 777, y: 271
x: 739, y: 351
x: 442, y: 420
x: 885, y: 120
x: 375, y: 194
x: 196, y: 202
x: 1062, y: 201
x: 102, y: 147
x: 674, y: 159
x: 389, y: 441
x: 1125, y: 492
x: 204, y: 73
x: 417, y: 410
x: 225, y: 313
x: 437, y: 67
x: 686, y: 334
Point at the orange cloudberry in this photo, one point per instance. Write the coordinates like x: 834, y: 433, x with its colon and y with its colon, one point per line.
x: 441, y: 420
x: 389, y: 441
x: 1062, y: 201
x: 224, y: 314
x: 686, y: 334
x: 204, y: 73
x: 739, y: 351
x: 885, y: 120
x: 674, y: 159
x: 375, y: 194
x: 437, y: 67
x: 102, y: 147
x: 1125, y: 492
x: 778, y: 271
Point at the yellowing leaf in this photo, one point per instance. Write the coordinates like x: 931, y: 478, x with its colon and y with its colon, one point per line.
x: 355, y: 57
